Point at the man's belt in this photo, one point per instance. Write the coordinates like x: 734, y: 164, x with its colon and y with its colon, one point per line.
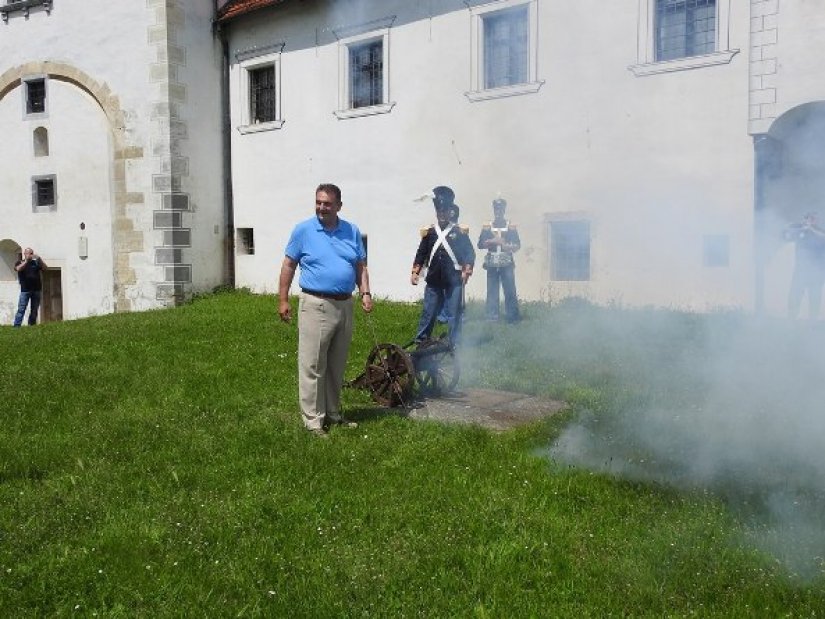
x: 327, y: 295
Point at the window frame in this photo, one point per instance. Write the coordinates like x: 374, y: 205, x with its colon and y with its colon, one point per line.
x: 244, y: 241
x: 345, y: 43
x: 36, y: 206
x: 24, y: 82
x: 646, y: 63
x: 551, y: 247
x: 249, y: 61
x: 478, y: 90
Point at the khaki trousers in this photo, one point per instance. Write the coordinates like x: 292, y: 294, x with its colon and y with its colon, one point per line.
x: 324, y: 336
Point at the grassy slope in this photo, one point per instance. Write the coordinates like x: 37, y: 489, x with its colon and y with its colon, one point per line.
x: 158, y: 467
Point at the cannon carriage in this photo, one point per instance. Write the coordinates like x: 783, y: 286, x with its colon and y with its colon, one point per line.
x: 397, y: 375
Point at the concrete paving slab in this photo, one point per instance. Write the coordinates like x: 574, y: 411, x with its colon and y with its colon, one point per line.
x: 496, y: 410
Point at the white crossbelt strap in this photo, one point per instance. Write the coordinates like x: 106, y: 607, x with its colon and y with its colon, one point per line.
x: 442, y: 242
x: 498, y: 232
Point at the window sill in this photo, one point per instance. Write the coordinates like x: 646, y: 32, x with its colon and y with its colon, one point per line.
x: 683, y: 64
x: 505, y: 91
x: 384, y: 108
x: 258, y: 127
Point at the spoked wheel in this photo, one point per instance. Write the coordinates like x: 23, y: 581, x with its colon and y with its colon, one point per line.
x: 389, y: 375
x: 436, y: 368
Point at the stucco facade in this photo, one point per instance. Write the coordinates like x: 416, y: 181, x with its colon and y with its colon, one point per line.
x: 130, y: 135
x: 657, y: 158
x: 676, y: 175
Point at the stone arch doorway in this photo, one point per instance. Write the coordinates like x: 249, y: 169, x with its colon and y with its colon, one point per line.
x: 10, y: 251
x: 790, y: 181
x: 126, y: 239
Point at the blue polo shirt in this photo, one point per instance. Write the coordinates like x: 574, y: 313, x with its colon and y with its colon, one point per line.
x: 327, y: 258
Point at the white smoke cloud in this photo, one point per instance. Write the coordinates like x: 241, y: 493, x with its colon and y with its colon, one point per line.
x: 739, y: 410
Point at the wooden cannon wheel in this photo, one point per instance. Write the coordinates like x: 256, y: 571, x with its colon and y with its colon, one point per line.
x: 436, y: 368
x: 389, y: 375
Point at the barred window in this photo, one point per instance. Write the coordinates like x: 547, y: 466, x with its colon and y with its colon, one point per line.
x: 570, y: 250
x: 506, y: 47
x: 685, y: 28
x: 366, y: 73
x: 35, y: 96
x: 262, y: 100
x: 44, y: 195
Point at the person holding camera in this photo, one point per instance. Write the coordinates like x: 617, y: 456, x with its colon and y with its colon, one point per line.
x: 28, y: 269
x: 809, y: 265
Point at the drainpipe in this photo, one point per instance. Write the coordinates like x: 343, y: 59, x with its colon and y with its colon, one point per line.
x: 226, y: 148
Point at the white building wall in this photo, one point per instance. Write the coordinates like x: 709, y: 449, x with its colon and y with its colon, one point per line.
x: 655, y: 162
x: 133, y: 118
x: 79, y: 157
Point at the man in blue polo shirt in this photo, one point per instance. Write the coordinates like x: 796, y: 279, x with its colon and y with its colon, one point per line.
x: 333, y: 262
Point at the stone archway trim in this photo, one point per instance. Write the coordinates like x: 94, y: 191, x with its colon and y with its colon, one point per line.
x: 126, y: 238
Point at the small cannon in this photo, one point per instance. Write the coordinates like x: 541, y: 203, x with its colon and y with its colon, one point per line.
x: 394, y: 375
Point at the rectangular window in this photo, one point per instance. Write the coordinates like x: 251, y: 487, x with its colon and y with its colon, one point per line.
x: 262, y: 100
x: 685, y: 28
x: 570, y: 250
x: 245, y: 241
x: 506, y: 47
x: 44, y: 196
x: 35, y: 96
x: 260, y: 89
x: 366, y: 74
x: 716, y: 250
x: 364, y: 69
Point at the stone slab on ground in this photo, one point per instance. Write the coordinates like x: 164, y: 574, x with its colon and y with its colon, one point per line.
x: 496, y: 410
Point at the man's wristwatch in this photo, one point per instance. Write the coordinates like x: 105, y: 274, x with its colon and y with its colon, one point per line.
x: 366, y: 294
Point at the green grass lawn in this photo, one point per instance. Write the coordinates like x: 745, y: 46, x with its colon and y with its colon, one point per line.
x: 154, y: 464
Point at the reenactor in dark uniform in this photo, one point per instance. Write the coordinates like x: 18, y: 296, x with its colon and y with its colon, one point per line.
x: 455, y: 212
x: 809, y: 265
x: 500, y: 239
x: 447, y: 253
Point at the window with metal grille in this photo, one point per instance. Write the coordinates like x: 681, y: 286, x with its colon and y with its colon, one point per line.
x: 366, y: 74
x: 570, y: 250
x: 262, y: 100
x: 685, y: 28
x: 43, y: 194
x: 506, y: 47
x: 35, y: 96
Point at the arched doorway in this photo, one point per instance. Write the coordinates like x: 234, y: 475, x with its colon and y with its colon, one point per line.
x: 790, y: 181
x: 9, y: 253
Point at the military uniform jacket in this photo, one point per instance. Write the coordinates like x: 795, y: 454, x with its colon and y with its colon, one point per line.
x: 441, y: 271
x: 507, y: 230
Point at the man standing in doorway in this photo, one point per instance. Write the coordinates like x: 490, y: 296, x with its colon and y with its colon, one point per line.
x: 330, y: 252
x: 809, y: 265
x: 501, y: 240
x: 28, y: 269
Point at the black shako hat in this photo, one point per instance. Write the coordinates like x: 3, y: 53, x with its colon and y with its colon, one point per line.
x: 443, y: 197
x: 499, y: 203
